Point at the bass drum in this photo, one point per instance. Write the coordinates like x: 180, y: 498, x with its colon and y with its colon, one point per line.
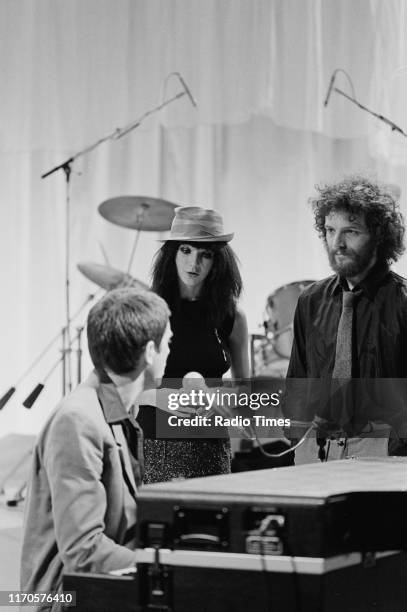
x: 280, y: 309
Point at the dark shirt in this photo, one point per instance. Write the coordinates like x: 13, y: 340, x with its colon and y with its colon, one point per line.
x: 379, y: 339
x: 197, y: 346
x: 116, y: 414
x: 196, y: 343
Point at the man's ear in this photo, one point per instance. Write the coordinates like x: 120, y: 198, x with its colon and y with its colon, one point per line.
x: 150, y: 352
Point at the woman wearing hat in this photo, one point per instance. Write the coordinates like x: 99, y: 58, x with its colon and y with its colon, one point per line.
x: 196, y: 272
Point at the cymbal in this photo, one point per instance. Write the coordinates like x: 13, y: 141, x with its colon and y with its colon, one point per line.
x: 139, y: 213
x: 108, y: 278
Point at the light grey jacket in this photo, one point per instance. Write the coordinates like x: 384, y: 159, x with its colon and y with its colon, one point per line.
x: 78, y: 507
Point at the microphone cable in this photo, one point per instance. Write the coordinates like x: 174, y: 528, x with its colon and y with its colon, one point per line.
x: 288, y: 450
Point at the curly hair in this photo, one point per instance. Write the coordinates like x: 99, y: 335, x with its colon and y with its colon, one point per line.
x: 358, y: 194
x: 221, y: 288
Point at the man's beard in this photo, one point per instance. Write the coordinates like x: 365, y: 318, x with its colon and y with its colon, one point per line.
x: 357, y: 263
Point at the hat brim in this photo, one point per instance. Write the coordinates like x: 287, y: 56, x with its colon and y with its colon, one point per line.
x: 221, y: 238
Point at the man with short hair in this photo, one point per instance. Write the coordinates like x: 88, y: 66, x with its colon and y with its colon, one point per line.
x: 350, y: 330
x: 81, y: 505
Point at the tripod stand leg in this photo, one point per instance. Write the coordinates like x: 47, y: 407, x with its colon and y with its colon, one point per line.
x: 17, y: 496
x: 14, y: 469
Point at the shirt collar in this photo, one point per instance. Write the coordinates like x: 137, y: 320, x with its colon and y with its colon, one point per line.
x: 369, y: 285
x: 112, y: 405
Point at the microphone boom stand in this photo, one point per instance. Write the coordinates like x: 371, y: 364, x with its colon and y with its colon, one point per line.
x: 66, y: 166
x: 391, y: 124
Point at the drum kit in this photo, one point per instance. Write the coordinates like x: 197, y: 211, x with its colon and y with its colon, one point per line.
x: 270, y: 351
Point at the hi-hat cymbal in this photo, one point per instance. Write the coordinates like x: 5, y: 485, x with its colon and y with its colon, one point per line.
x: 108, y: 278
x: 139, y: 213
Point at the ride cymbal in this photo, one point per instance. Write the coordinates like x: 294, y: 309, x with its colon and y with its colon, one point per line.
x: 139, y: 213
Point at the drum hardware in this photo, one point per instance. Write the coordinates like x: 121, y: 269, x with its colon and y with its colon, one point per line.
x: 66, y: 166
x: 141, y: 213
x: 271, y: 351
x: 108, y: 278
x: 264, y: 359
x: 272, y: 335
x: 280, y: 309
x: 137, y: 236
x: 104, y: 254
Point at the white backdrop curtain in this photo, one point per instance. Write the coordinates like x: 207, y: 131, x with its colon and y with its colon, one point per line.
x: 254, y: 148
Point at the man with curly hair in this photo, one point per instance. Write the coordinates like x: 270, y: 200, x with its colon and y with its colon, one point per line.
x: 350, y: 330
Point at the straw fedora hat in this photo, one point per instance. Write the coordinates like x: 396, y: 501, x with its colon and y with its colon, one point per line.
x: 196, y: 224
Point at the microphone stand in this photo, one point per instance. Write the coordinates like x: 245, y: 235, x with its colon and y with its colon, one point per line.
x: 391, y: 124
x: 115, y: 135
x: 28, y: 403
x: 67, y: 336
x: 66, y: 166
x: 5, y: 398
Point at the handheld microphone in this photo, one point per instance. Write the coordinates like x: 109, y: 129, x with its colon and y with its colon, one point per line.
x: 192, y: 380
x: 328, y: 94
x: 187, y: 90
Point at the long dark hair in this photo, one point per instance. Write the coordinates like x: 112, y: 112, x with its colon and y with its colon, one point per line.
x: 222, y: 286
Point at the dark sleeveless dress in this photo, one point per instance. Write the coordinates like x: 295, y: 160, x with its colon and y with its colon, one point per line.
x: 199, y: 347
